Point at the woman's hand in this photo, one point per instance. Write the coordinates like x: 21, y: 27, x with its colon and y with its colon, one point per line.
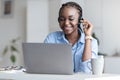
x: 87, y: 27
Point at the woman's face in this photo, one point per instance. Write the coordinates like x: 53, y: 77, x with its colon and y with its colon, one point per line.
x: 68, y: 20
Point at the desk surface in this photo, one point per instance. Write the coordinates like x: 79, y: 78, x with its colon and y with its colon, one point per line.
x: 19, y: 75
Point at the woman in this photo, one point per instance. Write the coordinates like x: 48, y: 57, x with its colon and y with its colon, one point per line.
x: 84, y: 47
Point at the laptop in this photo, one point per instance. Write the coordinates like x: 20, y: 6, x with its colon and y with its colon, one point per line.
x: 47, y: 58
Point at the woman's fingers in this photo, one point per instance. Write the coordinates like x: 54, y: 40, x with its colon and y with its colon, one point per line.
x: 87, y: 26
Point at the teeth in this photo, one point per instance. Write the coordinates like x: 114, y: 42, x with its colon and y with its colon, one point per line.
x: 67, y: 27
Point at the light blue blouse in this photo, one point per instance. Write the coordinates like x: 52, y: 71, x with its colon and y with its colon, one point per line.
x: 77, y: 50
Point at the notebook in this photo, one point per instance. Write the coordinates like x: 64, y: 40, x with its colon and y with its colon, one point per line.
x: 47, y: 58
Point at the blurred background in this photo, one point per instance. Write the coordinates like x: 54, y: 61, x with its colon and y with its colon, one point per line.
x: 31, y: 21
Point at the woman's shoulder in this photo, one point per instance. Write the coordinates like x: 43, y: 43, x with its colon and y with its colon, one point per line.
x: 53, y: 36
x: 56, y: 33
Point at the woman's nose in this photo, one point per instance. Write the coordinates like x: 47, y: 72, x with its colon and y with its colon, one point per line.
x: 66, y: 22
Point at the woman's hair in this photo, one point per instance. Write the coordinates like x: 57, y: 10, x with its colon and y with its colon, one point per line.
x: 71, y: 4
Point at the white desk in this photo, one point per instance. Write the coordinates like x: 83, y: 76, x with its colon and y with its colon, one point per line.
x: 18, y: 75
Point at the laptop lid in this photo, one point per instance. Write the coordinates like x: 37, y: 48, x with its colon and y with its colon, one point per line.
x: 47, y: 58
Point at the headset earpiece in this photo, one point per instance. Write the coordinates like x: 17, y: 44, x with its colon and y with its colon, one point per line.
x: 79, y: 23
x: 79, y: 19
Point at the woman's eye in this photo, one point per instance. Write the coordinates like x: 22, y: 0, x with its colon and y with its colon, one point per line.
x: 61, y: 19
x: 71, y: 19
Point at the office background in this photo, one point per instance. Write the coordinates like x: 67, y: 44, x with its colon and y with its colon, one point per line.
x: 32, y: 20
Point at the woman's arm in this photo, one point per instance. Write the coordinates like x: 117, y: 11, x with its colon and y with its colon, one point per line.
x: 87, y: 28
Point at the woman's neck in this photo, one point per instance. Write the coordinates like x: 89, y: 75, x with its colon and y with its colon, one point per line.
x: 73, y: 38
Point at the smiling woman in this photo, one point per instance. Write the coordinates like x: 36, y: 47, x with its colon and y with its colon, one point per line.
x: 84, y: 47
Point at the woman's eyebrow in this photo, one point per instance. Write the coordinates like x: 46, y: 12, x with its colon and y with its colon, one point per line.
x: 72, y: 16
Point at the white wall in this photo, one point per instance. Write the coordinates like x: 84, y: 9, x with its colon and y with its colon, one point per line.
x: 13, y: 27
x: 37, y: 20
x: 111, y: 26
x: 54, y: 6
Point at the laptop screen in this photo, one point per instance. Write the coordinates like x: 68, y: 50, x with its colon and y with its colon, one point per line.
x: 47, y: 58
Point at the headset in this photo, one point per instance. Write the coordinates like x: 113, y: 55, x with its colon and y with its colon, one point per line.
x: 79, y: 23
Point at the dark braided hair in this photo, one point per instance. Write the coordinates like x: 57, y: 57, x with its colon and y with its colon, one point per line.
x: 71, y: 4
